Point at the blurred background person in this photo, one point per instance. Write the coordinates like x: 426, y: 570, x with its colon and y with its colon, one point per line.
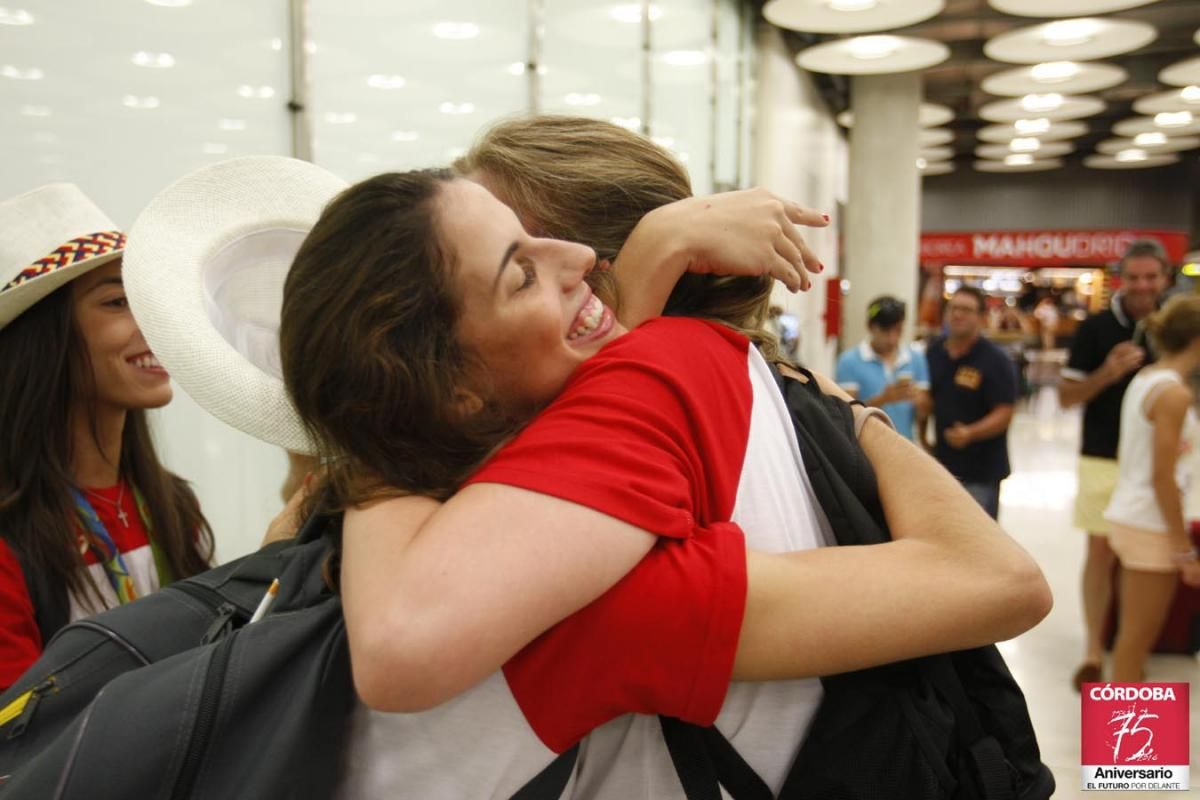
x: 883, y: 372
x: 1147, y: 530
x: 974, y: 388
x: 1101, y: 365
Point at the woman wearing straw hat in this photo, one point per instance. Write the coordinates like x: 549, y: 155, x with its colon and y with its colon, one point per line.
x: 89, y: 517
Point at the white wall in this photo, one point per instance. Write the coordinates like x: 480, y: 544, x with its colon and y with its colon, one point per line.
x: 800, y: 153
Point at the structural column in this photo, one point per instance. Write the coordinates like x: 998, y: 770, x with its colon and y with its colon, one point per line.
x: 882, y: 224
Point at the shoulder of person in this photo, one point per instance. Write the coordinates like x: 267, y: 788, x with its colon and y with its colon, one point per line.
x: 1174, y: 399
x: 665, y: 336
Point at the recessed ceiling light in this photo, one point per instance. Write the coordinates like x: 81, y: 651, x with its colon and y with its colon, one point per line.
x: 1150, y: 139
x: 35, y: 111
x: 405, y: 136
x: 257, y: 92
x: 15, y: 16
x: 685, y: 58
x: 663, y: 141
x: 455, y: 153
x: 582, y: 99
x: 1027, y: 126
x: 147, y: 103
x: 852, y: 5
x: 386, y: 81
x: 340, y: 117
x: 1173, y: 119
x: 632, y: 12
x: 150, y: 60
x: 921, y: 163
x: 276, y: 44
x: 1041, y: 102
x: 629, y: 123
x: 456, y: 108
x: 456, y: 30
x: 170, y: 3
x: 1024, y: 145
x: 1069, y: 32
x: 232, y: 124
x: 1055, y: 71
x: 18, y: 74
x: 1132, y: 154
x: 868, y: 48
x: 215, y: 148
x: 45, y: 138
x: 1018, y: 159
x: 1190, y: 94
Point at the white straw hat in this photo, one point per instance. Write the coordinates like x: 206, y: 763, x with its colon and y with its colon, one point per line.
x: 50, y: 236
x: 204, y: 275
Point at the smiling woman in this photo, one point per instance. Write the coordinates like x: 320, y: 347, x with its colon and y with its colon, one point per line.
x: 88, y: 516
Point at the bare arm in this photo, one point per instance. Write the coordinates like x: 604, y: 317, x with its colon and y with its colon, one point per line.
x: 750, y: 232
x: 993, y: 424
x: 951, y: 579
x: 1167, y: 414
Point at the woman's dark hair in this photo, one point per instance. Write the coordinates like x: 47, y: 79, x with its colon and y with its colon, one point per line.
x: 590, y: 181
x: 369, y: 345
x: 44, y: 371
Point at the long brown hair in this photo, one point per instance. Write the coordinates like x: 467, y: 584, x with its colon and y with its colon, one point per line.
x: 369, y: 345
x: 590, y: 181
x: 44, y: 368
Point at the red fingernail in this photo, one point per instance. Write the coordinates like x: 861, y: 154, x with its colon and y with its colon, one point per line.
x: 820, y: 267
x: 825, y: 217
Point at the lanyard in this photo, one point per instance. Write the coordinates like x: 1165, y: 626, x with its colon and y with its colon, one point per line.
x: 98, y: 538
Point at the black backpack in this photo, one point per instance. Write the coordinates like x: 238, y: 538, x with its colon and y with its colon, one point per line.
x: 174, y: 696
x: 951, y: 726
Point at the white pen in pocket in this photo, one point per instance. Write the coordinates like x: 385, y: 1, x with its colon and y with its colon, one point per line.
x: 264, y: 605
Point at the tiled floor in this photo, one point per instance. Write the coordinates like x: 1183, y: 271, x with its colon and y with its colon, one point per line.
x: 1036, y: 507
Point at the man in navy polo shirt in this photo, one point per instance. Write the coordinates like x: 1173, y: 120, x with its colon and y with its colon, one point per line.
x: 1105, y: 353
x: 974, y: 387
x: 884, y: 373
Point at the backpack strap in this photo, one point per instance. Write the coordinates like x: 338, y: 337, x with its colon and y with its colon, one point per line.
x: 988, y: 765
x: 704, y: 758
x: 51, y: 605
x: 550, y: 782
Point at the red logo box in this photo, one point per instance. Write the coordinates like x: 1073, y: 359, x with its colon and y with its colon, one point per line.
x: 1135, y: 736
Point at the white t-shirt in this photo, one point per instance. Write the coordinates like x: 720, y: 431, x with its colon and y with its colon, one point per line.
x: 742, y: 465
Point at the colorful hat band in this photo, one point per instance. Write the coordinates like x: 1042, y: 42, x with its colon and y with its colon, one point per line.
x: 78, y: 249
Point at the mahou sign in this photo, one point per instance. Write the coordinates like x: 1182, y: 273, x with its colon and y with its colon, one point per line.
x: 1042, y: 248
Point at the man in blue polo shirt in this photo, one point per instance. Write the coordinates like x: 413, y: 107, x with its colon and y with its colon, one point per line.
x: 881, y: 372
x: 974, y: 388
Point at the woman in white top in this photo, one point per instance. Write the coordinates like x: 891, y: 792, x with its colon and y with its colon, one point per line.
x: 1146, y: 511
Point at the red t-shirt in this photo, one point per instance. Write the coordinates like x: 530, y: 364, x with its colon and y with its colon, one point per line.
x: 20, y: 641
x: 652, y: 431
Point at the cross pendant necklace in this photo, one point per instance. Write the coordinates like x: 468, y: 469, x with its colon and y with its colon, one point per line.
x: 121, y: 515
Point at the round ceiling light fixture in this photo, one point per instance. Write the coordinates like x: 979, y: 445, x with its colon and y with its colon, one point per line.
x: 1042, y: 150
x: 1052, y: 106
x: 1185, y: 99
x: 1181, y: 73
x: 936, y: 167
x: 1063, y: 8
x: 1134, y: 125
x: 1064, y: 77
x: 1151, y: 143
x: 1129, y: 159
x: 1082, y: 39
x: 1019, y: 163
x: 933, y: 137
x: 849, y: 16
x: 873, y: 55
x: 1040, y: 127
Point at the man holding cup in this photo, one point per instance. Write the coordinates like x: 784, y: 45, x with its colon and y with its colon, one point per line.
x: 882, y: 372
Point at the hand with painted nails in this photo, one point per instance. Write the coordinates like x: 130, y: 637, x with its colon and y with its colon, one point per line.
x: 752, y: 232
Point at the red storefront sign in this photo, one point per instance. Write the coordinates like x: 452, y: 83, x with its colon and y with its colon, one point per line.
x: 1042, y: 248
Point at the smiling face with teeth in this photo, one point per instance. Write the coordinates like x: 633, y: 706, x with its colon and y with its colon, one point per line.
x: 126, y: 374
x: 525, y: 311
